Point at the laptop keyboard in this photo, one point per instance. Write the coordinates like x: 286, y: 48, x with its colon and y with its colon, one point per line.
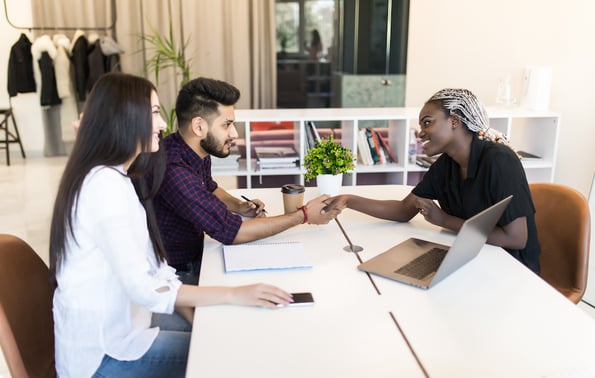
x: 424, y: 264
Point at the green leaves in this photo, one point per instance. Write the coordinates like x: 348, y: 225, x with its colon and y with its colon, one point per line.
x: 167, y: 54
x: 328, y: 157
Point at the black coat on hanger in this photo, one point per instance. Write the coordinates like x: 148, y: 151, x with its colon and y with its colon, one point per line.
x: 80, y: 62
x: 20, y: 68
x: 49, y: 89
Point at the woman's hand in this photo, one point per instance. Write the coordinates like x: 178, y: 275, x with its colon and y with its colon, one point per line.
x: 319, y: 212
x: 430, y: 211
x: 262, y: 295
x: 339, y: 202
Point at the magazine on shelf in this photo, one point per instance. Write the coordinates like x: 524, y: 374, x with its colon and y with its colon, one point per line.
x: 232, y: 161
x: 528, y: 156
x: 379, y: 150
x: 388, y: 153
x: 314, y: 131
x: 372, y: 146
x: 277, y: 157
x: 363, y: 148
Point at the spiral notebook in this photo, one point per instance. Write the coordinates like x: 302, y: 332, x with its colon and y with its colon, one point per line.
x: 264, y: 256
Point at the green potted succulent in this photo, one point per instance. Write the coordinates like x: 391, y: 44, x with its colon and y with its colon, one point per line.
x: 328, y: 158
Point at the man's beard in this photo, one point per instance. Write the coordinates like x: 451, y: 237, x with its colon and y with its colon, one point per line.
x: 210, y: 145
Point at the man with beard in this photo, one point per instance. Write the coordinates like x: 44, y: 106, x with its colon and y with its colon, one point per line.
x: 190, y: 203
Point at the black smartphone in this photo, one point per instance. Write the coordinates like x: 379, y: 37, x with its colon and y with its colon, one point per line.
x: 301, y: 299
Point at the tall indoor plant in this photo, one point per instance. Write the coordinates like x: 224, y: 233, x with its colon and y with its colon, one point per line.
x: 166, y: 53
x: 328, y: 160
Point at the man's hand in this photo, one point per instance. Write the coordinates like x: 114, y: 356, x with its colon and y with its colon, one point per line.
x: 253, y: 208
x: 319, y: 212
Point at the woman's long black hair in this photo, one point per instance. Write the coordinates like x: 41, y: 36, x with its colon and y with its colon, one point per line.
x: 117, y: 119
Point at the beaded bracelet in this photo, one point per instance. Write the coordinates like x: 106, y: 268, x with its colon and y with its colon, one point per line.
x: 304, y: 210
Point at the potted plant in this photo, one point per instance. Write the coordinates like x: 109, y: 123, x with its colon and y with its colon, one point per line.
x: 328, y: 160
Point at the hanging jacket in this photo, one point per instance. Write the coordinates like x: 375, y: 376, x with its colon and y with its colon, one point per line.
x: 44, y: 52
x: 62, y: 65
x: 96, y: 61
x: 112, y: 52
x: 20, y: 68
x: 80, y: 62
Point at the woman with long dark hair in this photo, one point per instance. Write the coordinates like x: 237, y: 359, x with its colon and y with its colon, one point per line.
x: 113, y: 284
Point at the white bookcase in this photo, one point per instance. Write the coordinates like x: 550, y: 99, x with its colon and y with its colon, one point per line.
x: 530, y: 131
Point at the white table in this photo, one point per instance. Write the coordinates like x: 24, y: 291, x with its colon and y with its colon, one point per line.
x: 493, y: 317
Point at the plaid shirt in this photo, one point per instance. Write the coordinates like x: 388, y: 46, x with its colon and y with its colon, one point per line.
x: 186, y: 207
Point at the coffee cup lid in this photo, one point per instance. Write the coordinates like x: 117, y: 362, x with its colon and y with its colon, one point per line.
x: 292, y: 188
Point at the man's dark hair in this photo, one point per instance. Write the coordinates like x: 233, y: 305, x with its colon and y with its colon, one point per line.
x: 201, y: 97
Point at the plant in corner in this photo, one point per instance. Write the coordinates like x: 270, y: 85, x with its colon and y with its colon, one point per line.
x: 328, y: 157
x: 167, y: 54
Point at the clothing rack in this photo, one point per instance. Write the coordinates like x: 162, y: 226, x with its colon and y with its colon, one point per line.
x: 111, y: 27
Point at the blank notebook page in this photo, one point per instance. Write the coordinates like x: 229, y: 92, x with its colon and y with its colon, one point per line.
x: 261, y: 256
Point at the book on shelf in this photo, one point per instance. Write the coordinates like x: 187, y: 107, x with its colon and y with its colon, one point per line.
x: 277, y: 157
x: 232, y: 161
x: 314, y: 131
x: 527, y: 155
x: 379, y: 149
x: 363, y: 148
x: 372, y: 146
x: 310, y: 138
x: 388, y: 153
x: 425, y: 161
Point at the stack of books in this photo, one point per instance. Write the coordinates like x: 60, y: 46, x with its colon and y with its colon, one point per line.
x: 230, y: 162
x: 277, y: 157
x: 373, y: 148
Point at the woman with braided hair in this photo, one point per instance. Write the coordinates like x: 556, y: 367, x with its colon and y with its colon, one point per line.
x: 475, y: 170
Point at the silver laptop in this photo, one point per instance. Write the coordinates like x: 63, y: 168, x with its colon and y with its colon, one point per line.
x: 423, y: 263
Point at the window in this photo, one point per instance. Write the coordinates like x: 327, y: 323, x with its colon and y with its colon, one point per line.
x: 296, y: 19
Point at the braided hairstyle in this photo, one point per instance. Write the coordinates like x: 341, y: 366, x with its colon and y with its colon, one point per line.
x: 465, y: 105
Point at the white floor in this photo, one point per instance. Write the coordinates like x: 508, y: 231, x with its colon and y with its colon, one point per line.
x: 27, y: 190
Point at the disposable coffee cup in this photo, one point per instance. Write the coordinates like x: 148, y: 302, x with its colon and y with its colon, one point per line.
x: 293, y: 197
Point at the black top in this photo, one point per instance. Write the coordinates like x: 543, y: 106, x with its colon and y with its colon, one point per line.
x: 20, y: 68
x: 493, y: 174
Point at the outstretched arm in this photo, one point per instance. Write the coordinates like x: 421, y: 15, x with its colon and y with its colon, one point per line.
x: 259, y: 228
x: 513, y: 236
x: 262, y: 295
x: 396, y: 210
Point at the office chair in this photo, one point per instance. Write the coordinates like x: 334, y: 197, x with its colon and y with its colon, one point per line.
x: 26, y: 322
x: 563, y: 229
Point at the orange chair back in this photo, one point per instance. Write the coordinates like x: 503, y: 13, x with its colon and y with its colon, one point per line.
x: 26, y: 322
x: 563, y: 229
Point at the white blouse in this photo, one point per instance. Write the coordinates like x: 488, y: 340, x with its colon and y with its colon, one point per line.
x: 108, y: 283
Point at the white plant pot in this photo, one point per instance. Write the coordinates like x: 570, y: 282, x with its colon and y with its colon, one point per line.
x: 329, y: 184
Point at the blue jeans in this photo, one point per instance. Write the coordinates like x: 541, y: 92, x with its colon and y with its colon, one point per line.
x: 167, y: 357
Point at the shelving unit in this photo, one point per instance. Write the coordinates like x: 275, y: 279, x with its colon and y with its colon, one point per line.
x: 531, y: 131
x: 313, y: 77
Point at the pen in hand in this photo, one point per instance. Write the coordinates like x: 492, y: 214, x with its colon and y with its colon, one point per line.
x: 249, y: 200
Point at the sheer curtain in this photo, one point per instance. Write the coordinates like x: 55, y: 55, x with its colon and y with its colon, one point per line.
x: 231, y: 40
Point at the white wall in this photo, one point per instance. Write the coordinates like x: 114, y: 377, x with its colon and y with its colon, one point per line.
x: 471, y: 44
x: 459, y: 43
